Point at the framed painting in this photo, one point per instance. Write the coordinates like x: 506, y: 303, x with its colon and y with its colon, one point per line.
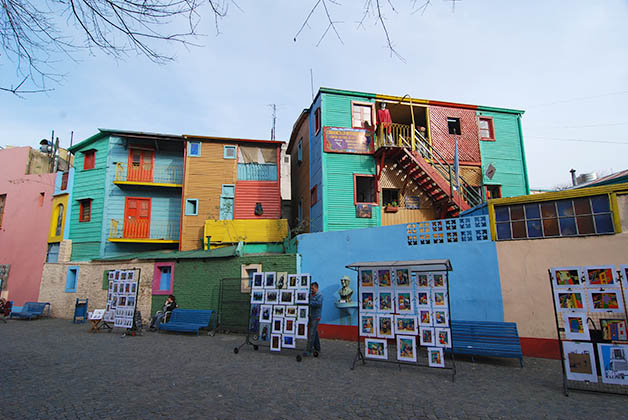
x: 405, y: 303
x: 281, y: 281
x: 367, y: 325
x: 405, y: 324
x: 123, y: 275
x: 572, y: 300
x: 439, y: 280
x: 427, y: 336
x: 600, y: 276
x: 305, y: 280
x: 442, y: 337
x: 269, y: 280
x: 385, y: 301
x: 402, y: 277
x: 301, y: 296
x: 286, y: 297
x: 385, y: 326
x: 277, y: 325
x: 605, y: 300
x: 613, y: 360
x: 366, y: 278
x: 435, y: 357
x: 423, y: 299
x: 275, y: 342
x: 367, y: 301
x: 406, y: 348
x: 293, y: 279
x: 439, y: 298
x: 375, y: 348
x: 279, y: 311
x: 423, y: 281
x: 440, y: 318
x: 257, y: 296
x: 301, y: 329
x: 579, y: 361
x: 291, y: 311
x: 288, y: 341
x: 613, y: 329
x: 271, y: 296
x: 425, y: 318
x: 264, y: 331
x: 289, y: 325
x: 576, y: 327
x: 257, y: 281
x: 623, y: 272
x: 302, y: 313
x: 566, y: 277
x: 384, y: 278
x: 130, y: 275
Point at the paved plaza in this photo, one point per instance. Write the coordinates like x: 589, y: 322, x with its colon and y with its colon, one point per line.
x: 53, y: 369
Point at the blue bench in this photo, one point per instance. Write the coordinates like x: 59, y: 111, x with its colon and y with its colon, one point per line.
x: 188, y: 320
x: 480, y: 338
x: 32, y: 310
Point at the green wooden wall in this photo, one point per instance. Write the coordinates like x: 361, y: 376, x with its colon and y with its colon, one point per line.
x: 86, y: 236
x: 506, y: 154
x: 339, y: 168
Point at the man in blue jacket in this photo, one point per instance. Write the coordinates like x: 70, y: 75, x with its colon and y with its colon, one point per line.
x: 316, y: 307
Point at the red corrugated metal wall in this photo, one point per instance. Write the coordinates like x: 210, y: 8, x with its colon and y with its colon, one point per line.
x: 468, y: 141
x: 248, y: 193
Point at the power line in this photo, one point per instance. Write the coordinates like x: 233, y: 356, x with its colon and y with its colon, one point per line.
x: 577, y: 140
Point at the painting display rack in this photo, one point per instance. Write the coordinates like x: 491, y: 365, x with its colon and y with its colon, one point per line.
x: 405, y: 306
x: 591, y: 326
x: 121, y: 308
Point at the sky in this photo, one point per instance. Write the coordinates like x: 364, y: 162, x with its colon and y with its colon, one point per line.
x: 564, y: 63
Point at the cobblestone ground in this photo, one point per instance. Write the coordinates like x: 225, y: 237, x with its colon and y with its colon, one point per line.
x: 53, y: 369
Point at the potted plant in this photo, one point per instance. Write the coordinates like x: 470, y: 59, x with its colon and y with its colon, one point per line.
x: 391, y: 207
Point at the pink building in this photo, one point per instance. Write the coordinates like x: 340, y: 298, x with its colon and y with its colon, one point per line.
x: 26, y: 189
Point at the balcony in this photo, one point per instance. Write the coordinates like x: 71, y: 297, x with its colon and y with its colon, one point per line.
x: 158, y: 176
x: 143, y: 231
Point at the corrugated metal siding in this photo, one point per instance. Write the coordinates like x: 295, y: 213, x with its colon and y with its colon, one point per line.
x: 468, y: 141
x: 257, y: 172
x: 505, y: 154
x: 248, y: 193
x: 316, y: 169
x: 300, y: 175
x: 337, y: 109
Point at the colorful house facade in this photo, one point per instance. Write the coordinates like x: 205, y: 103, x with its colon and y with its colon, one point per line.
x: 364, y: 160
x: 60, y: 214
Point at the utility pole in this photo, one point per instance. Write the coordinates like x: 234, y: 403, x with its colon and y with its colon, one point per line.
x: 272, y: 130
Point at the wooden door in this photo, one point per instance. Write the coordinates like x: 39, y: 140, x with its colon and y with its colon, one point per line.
x: 227, y: 202
x: 137, y: 217
x: 140, y: 168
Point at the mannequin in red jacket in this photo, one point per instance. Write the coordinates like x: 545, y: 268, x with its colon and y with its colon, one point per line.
x: 384, y: 120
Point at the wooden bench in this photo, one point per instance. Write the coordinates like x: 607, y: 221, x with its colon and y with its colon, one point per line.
x: 32, y: 310
x: 188, y: 320
x: 480, y: 338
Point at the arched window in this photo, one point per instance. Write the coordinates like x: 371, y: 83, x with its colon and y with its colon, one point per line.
x: 59, y: 219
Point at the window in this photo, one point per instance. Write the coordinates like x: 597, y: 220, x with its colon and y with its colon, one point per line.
x: 247, y: 271
x: 361, y: 115
x: 59, y: 220
x: 42, y: 195
x: 300, y: 151
x: 487, y: 132
x: 364, y: 188
x: 317, y: 120
x: 453, y: 124
x: 85, y: 213
x: 313, y: 196
x: 191, y: 207
x: 163, y: 278
x: 3, y: 199
x: 229, y: 152
x: 570, y: 217
x: 89, y: 160
x: 64, y: 181
x: 71, y: 279
x: 493, y: 191
x: 390, y: 196
x: 194, y: 148
x: 53, y: 253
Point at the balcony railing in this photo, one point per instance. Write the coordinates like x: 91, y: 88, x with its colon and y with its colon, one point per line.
x: 158, y: 175
x: 144, y: 231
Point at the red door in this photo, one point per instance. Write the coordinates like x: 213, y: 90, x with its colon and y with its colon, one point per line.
x: 137, y: 217
x: 140, y: 167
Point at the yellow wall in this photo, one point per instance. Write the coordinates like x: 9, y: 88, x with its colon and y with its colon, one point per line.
x: 233, y: 231
x: 60, y: 199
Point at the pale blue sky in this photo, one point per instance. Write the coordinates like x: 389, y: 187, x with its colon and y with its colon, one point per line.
x: 565, y: 63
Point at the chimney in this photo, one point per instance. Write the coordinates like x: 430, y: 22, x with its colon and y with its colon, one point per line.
x: 573, y: 177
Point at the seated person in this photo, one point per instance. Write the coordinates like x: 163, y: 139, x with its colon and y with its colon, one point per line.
x: 5, y: 307
x: 169, y: 305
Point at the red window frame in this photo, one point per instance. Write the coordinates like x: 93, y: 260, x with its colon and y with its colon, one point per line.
x: 491, y: 129
x: 355, y: 189
x: 313, y: 196
x: 89, y: 160
x: 317, y: 120
x: 498, y: 190
x: 359, y: 123
x: 85, y: 214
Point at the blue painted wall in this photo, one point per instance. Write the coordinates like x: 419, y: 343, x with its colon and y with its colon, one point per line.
x: 316, y: 167
x: 474, y: 282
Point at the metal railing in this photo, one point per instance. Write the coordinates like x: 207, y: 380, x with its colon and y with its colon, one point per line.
x: 153, y: 175
x: 144, y: 229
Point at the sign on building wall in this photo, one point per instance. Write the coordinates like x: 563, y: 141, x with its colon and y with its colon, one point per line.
x: 347, y: 140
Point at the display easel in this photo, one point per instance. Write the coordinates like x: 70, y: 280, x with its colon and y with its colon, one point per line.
x: 415, y: 268
x: 596, y: 334
x: 136, y: 327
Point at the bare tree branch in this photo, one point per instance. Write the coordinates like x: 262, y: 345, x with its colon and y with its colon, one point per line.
x: 332, y: 24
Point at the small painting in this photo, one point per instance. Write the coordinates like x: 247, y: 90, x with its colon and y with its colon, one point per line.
x: 443, y: 337
x: 294, y: 279
x: 439, y: 280
x: 269, y: 280
x: 264, y: 331
x: 363, y: 211
x: 623, y: 271
x: 366, y: 278
x: 605, y: 301
x: 271, y: 296
x: 303, y: 313
x: 385, y: 326
x: 367, y: 301
x: 111, y: 275
x: 257, y: 296
x: 289, y: 342
x: 301, y: 296
x: 425, y: 318
x: 291, y: 311
x: 423, y: 281
x: 123, y: 275
x: 279, y: 311
x: 277, y: 325
x: 566, y: 276
x: 435, y: 357
x: 134, y: 287
x: 613, y: 329
x: 598, y: 276
x: 367, y: 325
x: 385, y: 302
x: 440, y: 318
x: 258, y: 281
x: 301, y: 329
x: 405, y: 325
x: 569, y: 301
x: 427, y: 336
x: 613, y: 363
x: 266, y: 313
x: 383, y: 277
x: 289, y: 325
x: 117, y: 275
x: 579, y: 361
x: 423, y: 299
x: 275, y: 342
x: 282, y: 281
x: 576, y: 327
x: 376, y: 349
x: 402, y: 277
x: 130, y: 275
x: 406, y: 348
x: 286, y: 297
x: 439, y: 298
x: 405, y: 304
x: 305, y: 281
